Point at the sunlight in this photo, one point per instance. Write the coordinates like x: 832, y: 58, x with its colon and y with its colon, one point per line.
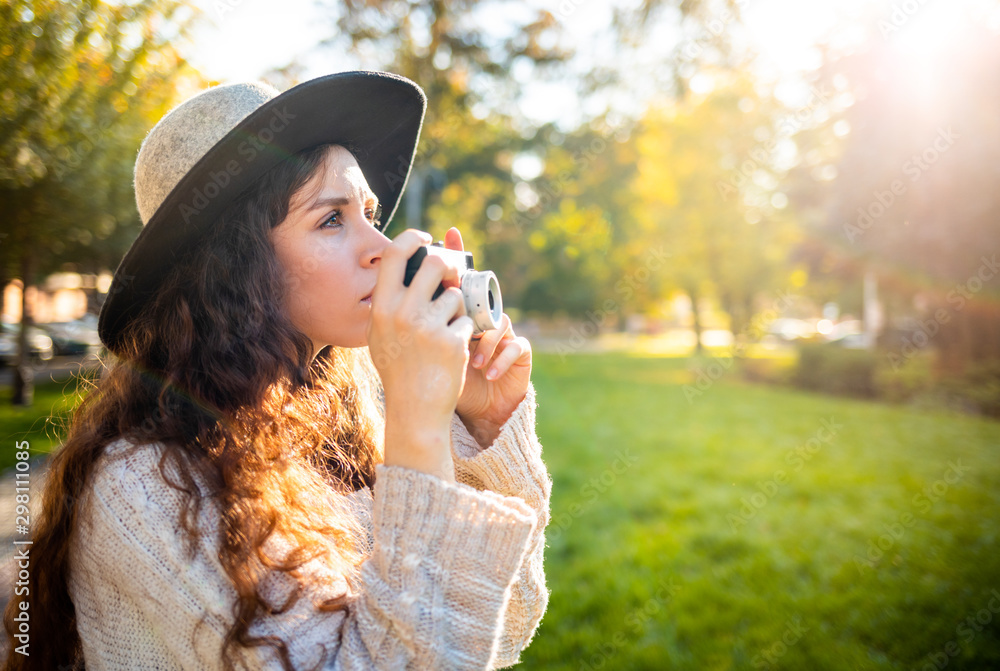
x: 928, y: 32
x: 925, y: 39
x: 786, y: 32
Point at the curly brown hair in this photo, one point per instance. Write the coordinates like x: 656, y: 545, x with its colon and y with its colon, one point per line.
x: 215, y: 372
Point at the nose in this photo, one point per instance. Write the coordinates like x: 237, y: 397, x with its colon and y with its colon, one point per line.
x: 375, y: 245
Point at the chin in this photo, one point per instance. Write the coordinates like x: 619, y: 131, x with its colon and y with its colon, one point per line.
x: 349, y: 343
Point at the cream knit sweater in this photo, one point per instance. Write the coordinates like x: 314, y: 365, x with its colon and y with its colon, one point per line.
x: 453, y: 579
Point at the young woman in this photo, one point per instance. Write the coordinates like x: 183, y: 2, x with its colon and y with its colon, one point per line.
x: 294, y: 461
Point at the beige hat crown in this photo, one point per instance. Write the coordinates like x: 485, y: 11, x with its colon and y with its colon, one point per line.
x: 185, y: 134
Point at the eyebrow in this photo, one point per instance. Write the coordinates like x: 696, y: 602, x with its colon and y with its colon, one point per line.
x: 336, y: 201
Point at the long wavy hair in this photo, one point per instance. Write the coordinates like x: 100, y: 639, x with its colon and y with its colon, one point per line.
x: 215, y: 372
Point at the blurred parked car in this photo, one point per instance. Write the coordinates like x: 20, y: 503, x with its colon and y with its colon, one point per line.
x: 74, y: 338
x: 844, y: 328
x: 791, y: 329
x: 849, y: 334
x: 39, y: 344
x: 852, y: 341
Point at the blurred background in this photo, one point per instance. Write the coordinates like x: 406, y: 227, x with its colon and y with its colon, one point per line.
x: 753, y: 243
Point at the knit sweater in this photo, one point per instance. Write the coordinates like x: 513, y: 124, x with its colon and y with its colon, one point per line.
x: 453, y: 575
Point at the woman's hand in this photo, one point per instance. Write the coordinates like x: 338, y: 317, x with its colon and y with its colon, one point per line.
x: 420, y: 349
x: 497, y: 376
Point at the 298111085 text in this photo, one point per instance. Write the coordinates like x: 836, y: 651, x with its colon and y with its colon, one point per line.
x: 22, y: 521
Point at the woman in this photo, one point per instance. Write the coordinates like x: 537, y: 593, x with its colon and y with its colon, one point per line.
x: 244, y: 488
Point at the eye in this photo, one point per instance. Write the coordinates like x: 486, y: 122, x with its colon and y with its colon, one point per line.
x: 374, y: 213
x: 332, y: 220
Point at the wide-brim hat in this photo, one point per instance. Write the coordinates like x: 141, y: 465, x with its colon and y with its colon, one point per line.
x: 209, y: 149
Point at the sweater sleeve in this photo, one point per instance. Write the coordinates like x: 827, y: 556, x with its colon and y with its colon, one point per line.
x: 432, y: 593
x: 513, y: 466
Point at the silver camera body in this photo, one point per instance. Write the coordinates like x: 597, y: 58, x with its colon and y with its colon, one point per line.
x: 480, y: 289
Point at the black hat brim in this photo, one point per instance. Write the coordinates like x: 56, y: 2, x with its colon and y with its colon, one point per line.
x: 378, y: 114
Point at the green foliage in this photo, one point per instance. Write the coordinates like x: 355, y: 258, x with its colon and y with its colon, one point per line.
x: 735, y: 588
x: 979, y: 386
x: 906, y: 382
x: 70, y: 71
x: 473, y: 161
x: 836, y: 370
x: 768, y: 369
x: 82, y: 82
x: 571, y: 269
x: 574, y: 227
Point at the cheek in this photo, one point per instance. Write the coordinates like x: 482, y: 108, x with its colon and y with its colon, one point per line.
x: 299, y: 266
x: 318, y: 280
x: 297, y: 259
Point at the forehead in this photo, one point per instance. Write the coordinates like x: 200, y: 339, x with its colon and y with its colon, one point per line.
x: 338, y: 175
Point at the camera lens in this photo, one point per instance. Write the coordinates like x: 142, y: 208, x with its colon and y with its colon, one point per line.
x: 483, y: 303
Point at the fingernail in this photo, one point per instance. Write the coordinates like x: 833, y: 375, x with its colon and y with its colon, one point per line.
x: 492, y: 374
x: 478, y: 361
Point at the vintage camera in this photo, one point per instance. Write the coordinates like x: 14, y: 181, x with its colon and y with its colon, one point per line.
x: 480, y: 289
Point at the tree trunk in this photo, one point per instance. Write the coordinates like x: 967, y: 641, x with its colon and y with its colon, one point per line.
x: 24, y: 379
x: 872, y: 315
x: 740, y: 313
x: 693, y: 295
x: 735, y: 308
x: 3, y: 284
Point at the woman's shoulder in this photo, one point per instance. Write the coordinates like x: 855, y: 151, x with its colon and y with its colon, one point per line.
x: 125, y: 460
x: 146, y: 459
x: 123, y: 448
x: 138, y: 477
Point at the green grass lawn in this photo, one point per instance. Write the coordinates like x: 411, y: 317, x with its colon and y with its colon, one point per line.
x: 41, y: 424
x: 757, y: 527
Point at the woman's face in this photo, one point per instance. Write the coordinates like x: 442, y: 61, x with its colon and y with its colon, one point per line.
x: 329, y: 248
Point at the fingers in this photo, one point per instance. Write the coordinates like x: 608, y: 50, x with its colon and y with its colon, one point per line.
x: 433, y: 271
x: 504, y: 346
x: 512, y: 351
x: 449, y: 305
x: 489, y: 341
x: 463, y: 327
x: 392, y: 267
x: 413, y: 306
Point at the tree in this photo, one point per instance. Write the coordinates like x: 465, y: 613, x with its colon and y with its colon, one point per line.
x: 705, y: 189
x: 81, y: 82
x: 577, y: 220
